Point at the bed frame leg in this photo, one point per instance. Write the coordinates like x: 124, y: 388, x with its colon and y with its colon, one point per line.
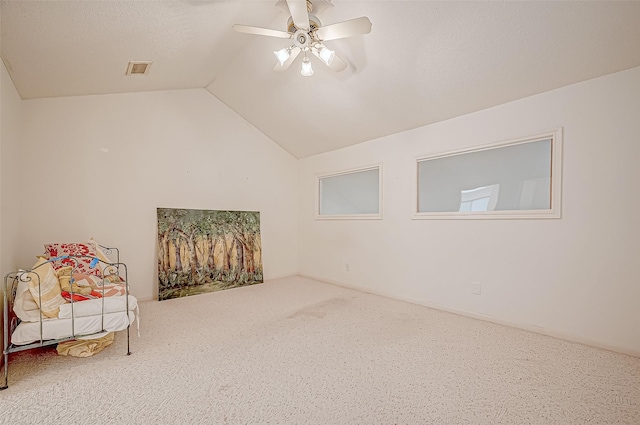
x: 128, y: 347
x: 6, y: 372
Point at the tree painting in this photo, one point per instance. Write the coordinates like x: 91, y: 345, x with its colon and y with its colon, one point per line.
x: 203, y: 251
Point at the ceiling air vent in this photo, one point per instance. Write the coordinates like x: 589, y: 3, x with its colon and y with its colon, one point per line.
x: 138, y: 67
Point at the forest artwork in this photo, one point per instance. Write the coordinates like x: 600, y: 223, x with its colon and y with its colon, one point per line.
x: 203, y: 251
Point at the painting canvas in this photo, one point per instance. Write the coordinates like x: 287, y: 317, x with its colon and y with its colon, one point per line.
x: 203, y: 251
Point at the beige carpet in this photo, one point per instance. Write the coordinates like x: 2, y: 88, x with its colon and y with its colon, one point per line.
x: 297, y: 351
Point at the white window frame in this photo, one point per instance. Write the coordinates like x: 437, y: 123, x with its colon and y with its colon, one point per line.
x: 556, y: 183
x: 374, y: 216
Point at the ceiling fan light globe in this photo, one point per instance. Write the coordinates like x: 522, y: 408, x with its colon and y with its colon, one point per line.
x: 306, y: 70
x: 327, y: 55
x: 282, y: 55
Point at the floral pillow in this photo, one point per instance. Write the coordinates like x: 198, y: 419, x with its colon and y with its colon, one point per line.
x: 83, y: 265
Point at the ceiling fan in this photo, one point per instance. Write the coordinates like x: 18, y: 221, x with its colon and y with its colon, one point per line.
x: 308, y: 35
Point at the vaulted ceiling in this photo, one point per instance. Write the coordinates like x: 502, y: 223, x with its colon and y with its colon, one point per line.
x: 423, y: 62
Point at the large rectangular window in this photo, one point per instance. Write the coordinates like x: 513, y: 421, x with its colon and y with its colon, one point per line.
x: 516, y: 179
x: 350, y: 194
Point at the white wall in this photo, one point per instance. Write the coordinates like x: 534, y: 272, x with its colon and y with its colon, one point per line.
x: 10, y: 136
x: 577, y: 276
x: 11, y: 117
x: 99, y: 166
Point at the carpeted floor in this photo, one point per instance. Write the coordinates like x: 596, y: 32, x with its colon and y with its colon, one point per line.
x: 298, y: 351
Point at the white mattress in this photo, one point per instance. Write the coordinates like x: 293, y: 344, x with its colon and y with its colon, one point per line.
x: 96, y: 306
x: 28, y: 332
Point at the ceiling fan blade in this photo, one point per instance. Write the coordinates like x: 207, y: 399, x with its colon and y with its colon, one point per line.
x: 292, y: 56
x: 345, y: 29
x: 298, y: 9
x: 261, y: 31
x: 337, y: 64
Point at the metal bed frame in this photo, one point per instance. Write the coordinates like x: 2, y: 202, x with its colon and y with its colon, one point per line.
x: 11, y: 321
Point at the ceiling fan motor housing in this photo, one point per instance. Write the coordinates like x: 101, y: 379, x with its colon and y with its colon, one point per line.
x: 301, y: 39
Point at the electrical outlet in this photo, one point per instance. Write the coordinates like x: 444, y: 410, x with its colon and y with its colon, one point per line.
x: 347, y: 267
x: 476, y: 288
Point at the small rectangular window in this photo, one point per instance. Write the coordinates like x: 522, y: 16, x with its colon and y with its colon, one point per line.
x: 516, y: 179
x: 354, y: 194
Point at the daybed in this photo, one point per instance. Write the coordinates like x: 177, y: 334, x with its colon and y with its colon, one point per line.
x: 73, y: 292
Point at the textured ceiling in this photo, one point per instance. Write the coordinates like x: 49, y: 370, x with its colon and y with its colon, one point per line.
x: 423, y: 61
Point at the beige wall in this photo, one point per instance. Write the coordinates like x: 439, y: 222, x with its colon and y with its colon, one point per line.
x: 99, y: 166
x: 576, y: 277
